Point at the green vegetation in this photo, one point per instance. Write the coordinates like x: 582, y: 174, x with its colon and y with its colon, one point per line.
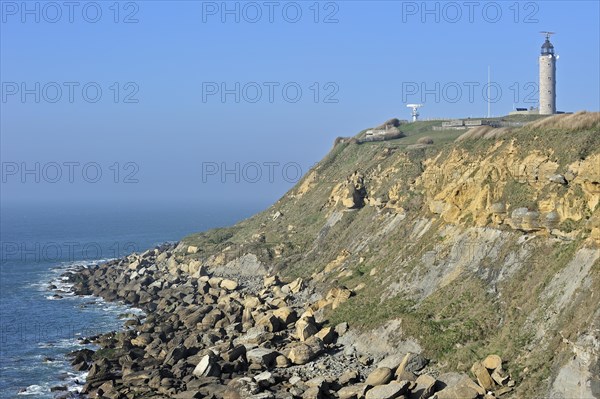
x: 519, y: 194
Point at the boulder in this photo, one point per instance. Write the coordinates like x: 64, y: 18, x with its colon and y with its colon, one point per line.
x: 196, y: 269
x: 191, y: 394
x: 500, y: 378
x: 251, y: 302
x: 254, y: 336
x: 142, y: 340
x: 388, y: 391
x: 302, y: 353
x: 349, y: 377
x: 108, y: 386
x: 337, y: 296
x: 306, y: 328
x: 406, y: 376
x: 412, y: 362
x: 265, y: 379
x: 270, y: 281
x: 457, y: 392
x: 270, y: 322
x: 208, y: 367
x: 327, y: 335
x: 492, y: 362
x: 392, y: 361
x: 352, y: 392
x: 263, y: 356
x: 482, y: 375
x: 234, y: 353
x: 312, y: 393
x: 425, y: 388
x: 243, y: 387
x: 134, y: 265
x: 380, y: 376
x: 558, y: 178
x: 282, y: 361
x: 175, y: 355
x: 229, y: 285
x: 286, y: 315
x: 215, y: 282
x: 341, y: 328
x: 294, y: 287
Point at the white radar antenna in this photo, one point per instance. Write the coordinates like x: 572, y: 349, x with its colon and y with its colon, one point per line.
x: 415, y: 111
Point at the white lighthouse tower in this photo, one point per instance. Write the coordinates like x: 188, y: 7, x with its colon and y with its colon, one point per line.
x: 548, y: 77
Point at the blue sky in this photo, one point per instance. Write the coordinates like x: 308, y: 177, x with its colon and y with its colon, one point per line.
x: 162, y: 129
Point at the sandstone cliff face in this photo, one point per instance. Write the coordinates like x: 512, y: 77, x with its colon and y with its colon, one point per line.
x: 464, y: 187
x: 486, y: 245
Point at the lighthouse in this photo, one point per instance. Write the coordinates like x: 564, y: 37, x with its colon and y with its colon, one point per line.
x: 547, y: 77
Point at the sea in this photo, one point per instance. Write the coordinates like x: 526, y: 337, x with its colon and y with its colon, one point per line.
x: 39, y: 326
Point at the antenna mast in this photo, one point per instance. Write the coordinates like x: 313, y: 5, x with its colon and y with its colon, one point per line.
x: 488, y: 94
x: 547, y: 34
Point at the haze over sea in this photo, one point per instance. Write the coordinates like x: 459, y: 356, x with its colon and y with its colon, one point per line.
x: 38, y: 243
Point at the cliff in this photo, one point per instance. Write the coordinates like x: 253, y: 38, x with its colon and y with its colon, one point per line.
x: 485, y: 243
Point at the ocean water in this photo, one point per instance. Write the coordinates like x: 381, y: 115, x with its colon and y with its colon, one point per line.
x: 38, y: 243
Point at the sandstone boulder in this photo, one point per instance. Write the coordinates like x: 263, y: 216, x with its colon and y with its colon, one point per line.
x: 492, y: 362
x: 426, y: 386
x: 457, y: 392
x: 294, y: 287
x: 302, y: 353
x: 306, y: 328
x: 282, y: 361
x: 337, y: 296
x: 388, y: 391
x: 134, y: 265
x: 379, y: 376
x: 327, y: 335
x: 352, y: 392
x: 142, y: 340
x: 270, y: 281
x: 482, y: 375
x: 286, y: 315
x: 270, y: 322
x: 229, y: 285
x: 348, y: 377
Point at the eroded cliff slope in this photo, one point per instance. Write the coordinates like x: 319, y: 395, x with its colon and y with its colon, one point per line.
x: 460, y: 248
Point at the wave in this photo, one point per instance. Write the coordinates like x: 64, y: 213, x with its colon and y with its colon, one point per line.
x: 54, y: 285
x: 35, y: 390
x: 55, y: 275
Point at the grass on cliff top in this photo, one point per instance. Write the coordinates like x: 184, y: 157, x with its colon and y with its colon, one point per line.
x: 571, y: 137
x: 549, y: 134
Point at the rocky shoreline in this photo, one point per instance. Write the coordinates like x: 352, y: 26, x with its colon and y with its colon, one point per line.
x: 209, y: 336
